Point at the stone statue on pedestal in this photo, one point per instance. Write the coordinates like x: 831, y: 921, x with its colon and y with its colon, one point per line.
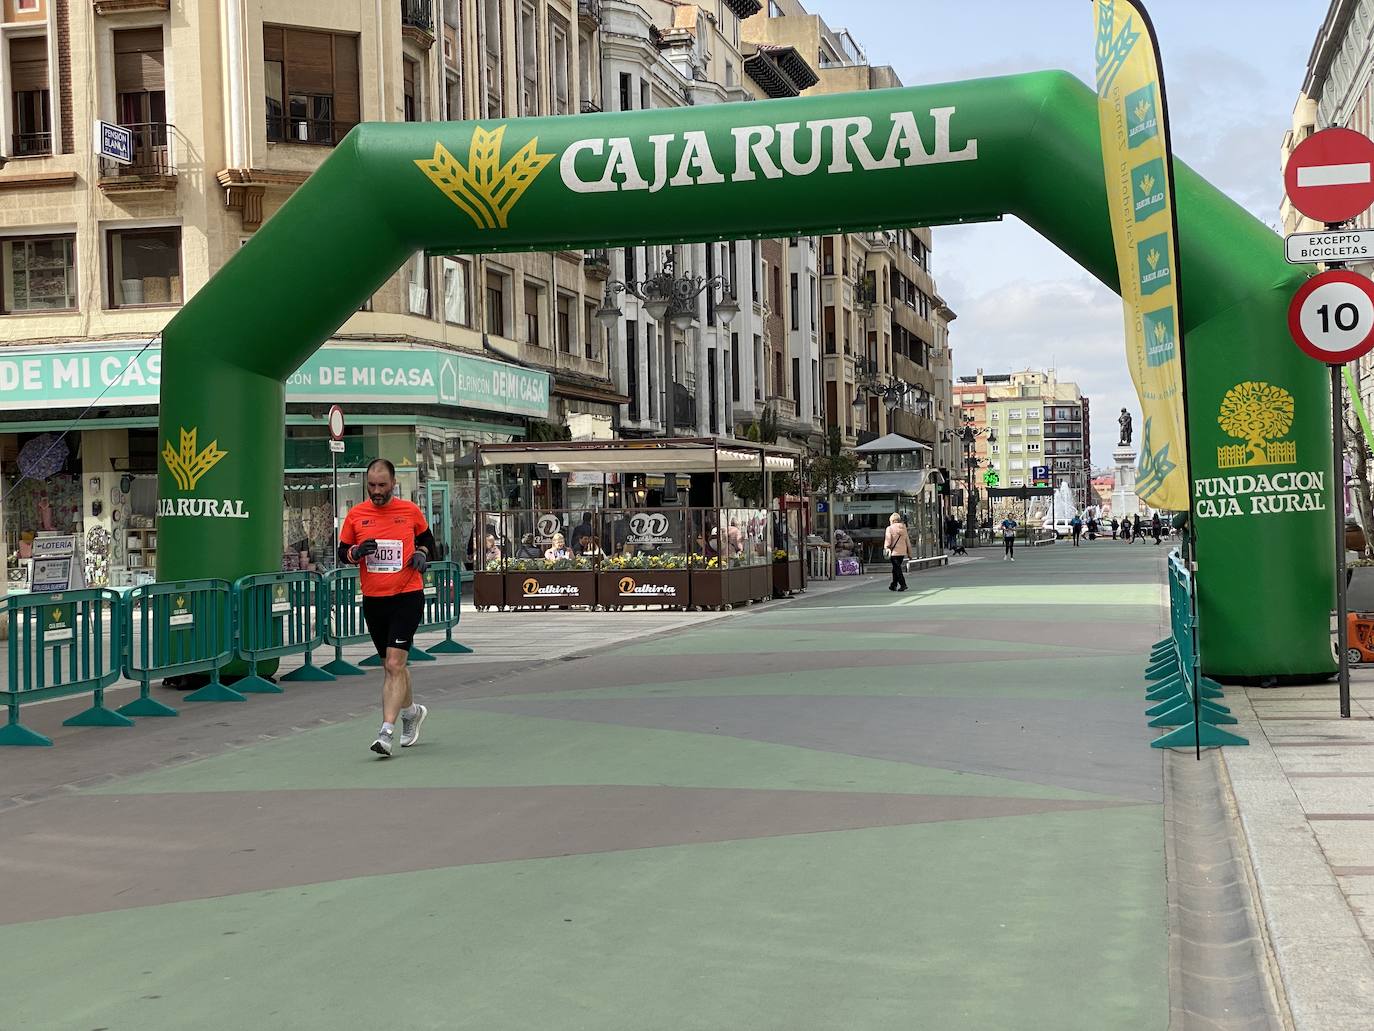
x: 1125, y: 423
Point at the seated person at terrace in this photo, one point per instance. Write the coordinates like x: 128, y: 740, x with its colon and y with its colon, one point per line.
x: 558, y: 549
x: 588, y: 548
x: 528, y: 549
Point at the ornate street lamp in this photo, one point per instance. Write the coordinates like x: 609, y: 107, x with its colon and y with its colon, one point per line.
x: 668, y: 296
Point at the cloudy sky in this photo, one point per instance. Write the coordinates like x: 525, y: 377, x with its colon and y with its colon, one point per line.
x: 1233, y: 69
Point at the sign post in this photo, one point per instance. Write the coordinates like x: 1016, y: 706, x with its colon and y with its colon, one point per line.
x: 1332, y: 320
x: 335, y: 420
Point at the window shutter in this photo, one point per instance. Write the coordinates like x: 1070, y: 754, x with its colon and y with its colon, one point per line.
x: 273, y: 48
x: 138, y: 60
x: 347, y: 109
x: 309, y: 62
x: 29, y: 64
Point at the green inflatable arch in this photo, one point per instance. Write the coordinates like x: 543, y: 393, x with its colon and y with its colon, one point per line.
x: 1026, y: 145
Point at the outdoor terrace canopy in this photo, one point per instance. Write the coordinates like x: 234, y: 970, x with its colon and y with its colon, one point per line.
x: 684, y: 455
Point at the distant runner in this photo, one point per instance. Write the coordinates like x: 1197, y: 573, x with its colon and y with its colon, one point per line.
x: 388, y: 538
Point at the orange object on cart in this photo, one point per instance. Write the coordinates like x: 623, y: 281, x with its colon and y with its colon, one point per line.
x: 1359, y: 630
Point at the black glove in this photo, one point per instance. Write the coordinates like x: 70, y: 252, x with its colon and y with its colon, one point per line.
x: 419, y: 561
x: 361, y: 551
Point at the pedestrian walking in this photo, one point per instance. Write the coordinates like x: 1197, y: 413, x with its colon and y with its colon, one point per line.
x: 390, y: 542
x: 1116, y: 528
x: 952, y: 541
x: 1009, y: 539
x: 1136, y: 535
x: 1092, y: 528
x: 1076, y: 528
x: 1157, y: 528
x: 897, y: 547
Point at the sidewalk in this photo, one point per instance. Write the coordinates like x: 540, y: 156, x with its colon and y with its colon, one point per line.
x: 1304, y: 788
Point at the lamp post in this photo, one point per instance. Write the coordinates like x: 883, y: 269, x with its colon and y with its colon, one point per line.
x: 968, y: 435
x: 669, y: 299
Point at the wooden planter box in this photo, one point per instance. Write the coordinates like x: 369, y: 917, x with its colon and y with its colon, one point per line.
x: 787, y: 577
x: 625, y: 587
x: 551, y: 590
x: 489, y: 590
x: 761, y: 582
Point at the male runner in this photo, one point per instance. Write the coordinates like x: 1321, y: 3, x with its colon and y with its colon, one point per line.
x: 388, y: 538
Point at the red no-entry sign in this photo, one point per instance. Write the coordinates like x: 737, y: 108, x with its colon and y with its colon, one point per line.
x: 1330, y: 175
x: 1332, y: 317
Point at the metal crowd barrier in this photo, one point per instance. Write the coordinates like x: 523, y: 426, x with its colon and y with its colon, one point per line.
x: 277, y: 614
x: 343, y: 621
x: 443, y: 590
x: 1187, y: 701
x: 175, y: 629
x: 59, y: 645
x: 444, y: 606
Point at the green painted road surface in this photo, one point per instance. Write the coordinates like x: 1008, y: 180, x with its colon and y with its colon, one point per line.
x: 853, y: 812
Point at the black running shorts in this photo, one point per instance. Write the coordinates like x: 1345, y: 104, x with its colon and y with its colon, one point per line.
x: 392, y: 619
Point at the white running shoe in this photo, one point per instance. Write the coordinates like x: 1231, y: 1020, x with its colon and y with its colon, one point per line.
x: 410, y: 728
x: 382, y: 746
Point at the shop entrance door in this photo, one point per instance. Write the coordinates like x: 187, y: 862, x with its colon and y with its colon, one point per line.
x: 436, y: 514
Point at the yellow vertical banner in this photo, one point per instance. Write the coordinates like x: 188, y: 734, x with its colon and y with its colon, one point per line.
x: 1136, y: 160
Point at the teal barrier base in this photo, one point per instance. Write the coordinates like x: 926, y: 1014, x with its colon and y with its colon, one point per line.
x: 1191, y: 734
x: 339, y: 668
x: 416, y: 655
x: 255, y: 684
x: 1165, y: 689
x: 1183, y: 713
x: 215, y: 691
x: 371, y: 662
x: 145, y: 706
x: 1168, y: 705
x: 309, y: 673
x: 449, y: 647
x: 98, y: 716
x: 20, y: 736
x: 1162, y: 670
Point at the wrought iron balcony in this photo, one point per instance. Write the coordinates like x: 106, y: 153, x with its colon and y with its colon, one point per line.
x: 417, y: 22
x: 590, y: 107
x: 589, y: 13
x: 153, y: 166
x: 31, y: 144
x: 597, y: 263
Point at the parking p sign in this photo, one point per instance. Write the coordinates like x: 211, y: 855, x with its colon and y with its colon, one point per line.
x: 114, y: 142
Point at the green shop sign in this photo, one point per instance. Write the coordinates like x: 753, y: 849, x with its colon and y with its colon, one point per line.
x: 61, y: 377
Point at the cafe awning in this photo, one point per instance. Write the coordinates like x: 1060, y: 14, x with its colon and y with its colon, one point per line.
x: 683, y: 455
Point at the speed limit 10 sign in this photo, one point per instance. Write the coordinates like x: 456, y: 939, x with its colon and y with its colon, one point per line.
x: 1332, y: 317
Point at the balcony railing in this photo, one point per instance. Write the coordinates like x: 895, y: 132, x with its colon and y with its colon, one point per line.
x: 590, y: 107
x: 31, y: 144
x: 324, y: 132
x: 154, y: 160
x: 417, y: 14
x: 589, y: 13
x: 684, y: 408
x: 597, y: 263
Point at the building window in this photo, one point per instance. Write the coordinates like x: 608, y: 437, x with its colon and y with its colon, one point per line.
x: 626, y: 92
x: 30, y: 91
x: 418, y: 284
x: 496, y: 303
x: 534, y: 303
x: 409, y: 90
x: 774, y: 11
x: 565, y: 325
x: 560, y: 66
x: 527, y: 59
x: 311, y: 85
x: 493, y: 58
x: 145, y: 266
x: 592, y: 333
x: 645, y: 97
x: 457, y: 279
x: 40, y: 273
x: 140, y: 94
x: 734, y: 366
x: 1033, y: 447
x: 632, y: 367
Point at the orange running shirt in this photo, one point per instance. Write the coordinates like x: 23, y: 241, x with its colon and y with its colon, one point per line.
x: 394, y: 526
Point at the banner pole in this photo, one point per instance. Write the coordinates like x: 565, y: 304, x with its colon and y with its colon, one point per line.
x: 1338, y: 510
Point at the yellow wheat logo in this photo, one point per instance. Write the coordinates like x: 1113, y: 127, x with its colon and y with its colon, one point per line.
x: 1160, y: 332
x: 1141, y: 110
x: 1257, y: 413
x: 181, y: 602
x: 1153, y: 259
x: 188, y: 465
x: 1147, y: 184
x: 486, y: 189
x: 56, y: 615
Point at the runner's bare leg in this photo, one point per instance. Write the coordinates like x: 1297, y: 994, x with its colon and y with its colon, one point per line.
x: 396, y: 685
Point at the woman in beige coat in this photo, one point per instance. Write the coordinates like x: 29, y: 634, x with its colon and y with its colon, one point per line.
x: 897, y: 547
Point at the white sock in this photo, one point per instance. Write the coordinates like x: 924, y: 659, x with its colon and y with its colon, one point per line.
x: 388, y: 728
x: 411, y: 711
